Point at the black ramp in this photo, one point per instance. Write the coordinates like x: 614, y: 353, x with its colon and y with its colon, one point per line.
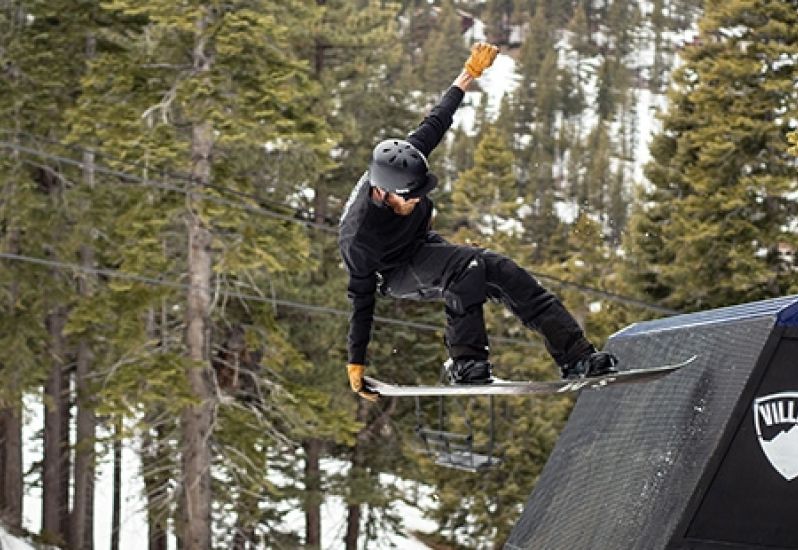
x: 631, y: 467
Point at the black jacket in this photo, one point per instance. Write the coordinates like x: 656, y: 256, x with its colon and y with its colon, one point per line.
x: 373, y: 238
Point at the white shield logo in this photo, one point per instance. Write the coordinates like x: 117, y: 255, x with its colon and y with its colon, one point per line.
x: 776, y: 422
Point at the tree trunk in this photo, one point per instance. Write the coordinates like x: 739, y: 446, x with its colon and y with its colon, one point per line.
x: 313, y: 494
x: 11, y: 485
x: 155, y: 456
x: 11, y: 467
x: 369, y: 431
x: 84, y: 471
x: 55, y: 493
x: 66, y: 461
x: 352, y: 526
x: 321, y: 196
x: 197, y: 419
x: 82, y: 524
x: 313, y: 447
x: 116, y: 505
x: 358, y: 463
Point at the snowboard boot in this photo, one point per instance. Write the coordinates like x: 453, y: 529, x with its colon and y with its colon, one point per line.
x: 597, y: 363
x: 469, y: 370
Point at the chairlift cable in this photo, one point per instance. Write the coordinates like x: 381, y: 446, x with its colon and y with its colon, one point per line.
x: 307, y: 222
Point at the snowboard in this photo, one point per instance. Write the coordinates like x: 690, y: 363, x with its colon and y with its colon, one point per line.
x: 517, y: 387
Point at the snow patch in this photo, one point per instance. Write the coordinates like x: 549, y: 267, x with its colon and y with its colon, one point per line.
x: 7, y: 542
x: 133, y: 535
x: 567, y: 211
x: 334, y: 513
x: 500, y: 79
x: 133, y: 528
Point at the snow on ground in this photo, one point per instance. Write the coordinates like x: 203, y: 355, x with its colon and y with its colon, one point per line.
x: 133, y: 534
x: 7, y: 542
x: 500, y: 79
x: 133, y: 522
x: 333, y: 514
x: 333, y: 526
x: 476, y: 33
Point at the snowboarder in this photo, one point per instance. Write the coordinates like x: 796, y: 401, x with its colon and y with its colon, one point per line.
x: 388, y: 246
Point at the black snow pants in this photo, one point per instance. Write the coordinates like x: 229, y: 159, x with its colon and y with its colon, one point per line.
x: 464, y: 277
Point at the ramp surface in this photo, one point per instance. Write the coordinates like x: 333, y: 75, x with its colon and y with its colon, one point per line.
x: 635, y: 463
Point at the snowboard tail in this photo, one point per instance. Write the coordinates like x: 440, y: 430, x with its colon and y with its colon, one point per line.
x: 515, y: 387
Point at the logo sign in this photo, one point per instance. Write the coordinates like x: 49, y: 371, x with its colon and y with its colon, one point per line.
x: 776, y: 422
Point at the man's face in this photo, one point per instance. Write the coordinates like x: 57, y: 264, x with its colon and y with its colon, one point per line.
x: 400, y: 206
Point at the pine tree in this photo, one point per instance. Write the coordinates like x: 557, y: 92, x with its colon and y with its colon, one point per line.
x: 538, y: 44
x: 659, y: 27
x: 708, y: 231
x: 541, y: 153
x: 497, y: 15
x: 531, y: 121
x: 444, y: 51
x: 484, y: 197
x: 44, y: 56
x: 598, y: 176
x: 209, y: 119
x: 580, y: 31
x: 607, y: 98
x: 622, y: 19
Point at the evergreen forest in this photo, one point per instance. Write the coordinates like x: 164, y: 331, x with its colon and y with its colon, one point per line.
x: 171, y: 179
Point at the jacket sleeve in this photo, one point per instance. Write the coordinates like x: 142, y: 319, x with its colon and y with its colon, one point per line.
x: 361, y: 291
x: 432, y: 129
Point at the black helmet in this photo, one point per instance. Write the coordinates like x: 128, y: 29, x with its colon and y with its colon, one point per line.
x: 398, y: 167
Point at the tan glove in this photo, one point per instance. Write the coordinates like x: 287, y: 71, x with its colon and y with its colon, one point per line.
x: 357, y: 383
x: 482, y: 56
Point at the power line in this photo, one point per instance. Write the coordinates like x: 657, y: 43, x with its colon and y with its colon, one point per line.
x: 284, y: 217
x: 312, y: 308
x: 606, y: 294
x: 157, y: 184
x: 171, y: 174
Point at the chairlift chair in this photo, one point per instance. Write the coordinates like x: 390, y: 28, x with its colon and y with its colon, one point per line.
x: 451, y: 449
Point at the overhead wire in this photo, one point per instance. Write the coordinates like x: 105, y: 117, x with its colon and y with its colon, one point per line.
x: 158, y: 184
x: 170, y: 173
x: 611, y: 296
x: 284, y: 217
x: 312, y: 308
